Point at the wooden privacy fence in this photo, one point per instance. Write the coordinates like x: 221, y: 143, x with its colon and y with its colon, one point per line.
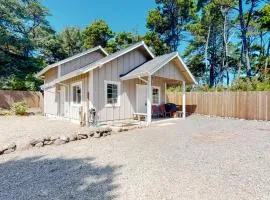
x: 32, y: 99
x: 243, y: 105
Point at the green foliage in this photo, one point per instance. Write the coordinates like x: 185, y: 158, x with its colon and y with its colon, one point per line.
x: 250, y: 84
x: 71, y: 40
x: 264, y: 17
x: 170, y: 20
x: 19, y: 108
x: 4, y: 112
x: 13, y: 82
x: 157, y: 45
x: 122, y: 40
x: 22, y: 25
x: 97, y: 33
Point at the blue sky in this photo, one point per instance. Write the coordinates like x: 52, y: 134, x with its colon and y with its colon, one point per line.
x: 121, y: 15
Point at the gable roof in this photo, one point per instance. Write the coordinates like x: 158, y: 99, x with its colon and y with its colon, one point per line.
x: 152, y: 66
x: 72, y: 58
x: 102, y: 61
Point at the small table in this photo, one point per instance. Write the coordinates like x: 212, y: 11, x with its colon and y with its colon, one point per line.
x: 179, y: 114
x: 139, y: 115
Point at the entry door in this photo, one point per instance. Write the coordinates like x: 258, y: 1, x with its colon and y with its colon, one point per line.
x: 62, y: 100
x: 141, y: 98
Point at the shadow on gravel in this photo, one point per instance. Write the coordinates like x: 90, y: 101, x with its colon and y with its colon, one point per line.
x: 39, y: 178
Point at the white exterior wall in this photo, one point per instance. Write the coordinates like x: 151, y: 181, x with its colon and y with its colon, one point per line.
x: 51, y: 101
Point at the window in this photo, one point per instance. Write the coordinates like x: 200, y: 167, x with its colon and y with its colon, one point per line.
x: 155, y: 95
x: 112, y: 91
x: 76, y: 93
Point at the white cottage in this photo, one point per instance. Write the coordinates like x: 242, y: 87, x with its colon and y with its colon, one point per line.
x: 116, y: 86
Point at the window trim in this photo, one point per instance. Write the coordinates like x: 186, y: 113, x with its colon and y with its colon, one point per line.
x: 156, y: 87
x: 79, y: 83
x: 106, y: 82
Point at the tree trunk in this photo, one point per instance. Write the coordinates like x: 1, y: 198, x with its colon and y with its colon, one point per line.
x: 225, y: 43
x: 240, y: 63
x: 266, y: 60
x: 206, y: 48
x: 244, y: 37
x: 212, y: 75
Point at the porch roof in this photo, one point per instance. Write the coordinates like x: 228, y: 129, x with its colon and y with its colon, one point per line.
x: 152, y: 66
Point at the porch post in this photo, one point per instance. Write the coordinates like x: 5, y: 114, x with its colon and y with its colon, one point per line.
x: 149, y: 100
x: 184, y: 99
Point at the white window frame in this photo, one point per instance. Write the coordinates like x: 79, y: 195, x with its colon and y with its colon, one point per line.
x: 106, y: 82
x: 72, y: 85
x: 156, y: 87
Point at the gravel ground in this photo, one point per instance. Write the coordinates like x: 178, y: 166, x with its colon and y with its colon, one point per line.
x: 197, y: 158
x: 22, y: 129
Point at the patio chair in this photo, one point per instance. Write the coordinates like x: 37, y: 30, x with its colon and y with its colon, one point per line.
x: 155, y: 111
x: 163, y: 112
x: 170, y: 109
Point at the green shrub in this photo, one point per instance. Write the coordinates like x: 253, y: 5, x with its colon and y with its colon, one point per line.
x: 4, y: 112
x: 19, y: 108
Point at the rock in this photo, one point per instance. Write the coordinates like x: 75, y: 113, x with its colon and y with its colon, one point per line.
x: 72, y: 137
x: 82, y: 136
x: 59, y: 142
x: 40, y: 144
x: 35, y: 141
x: 53, y: 138
x: 97, y: 135
x: 8, y: 151
x: 11, y: 147
x: 91, y: 133
x: 64, y: 138
x: 48, y: 142
x: 47, y: 138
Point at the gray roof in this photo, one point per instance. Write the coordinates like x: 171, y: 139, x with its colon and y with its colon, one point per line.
x: 150, y: 67
x: 100, y: 62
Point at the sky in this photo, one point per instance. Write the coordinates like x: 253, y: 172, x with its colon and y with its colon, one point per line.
x: 121, y: 15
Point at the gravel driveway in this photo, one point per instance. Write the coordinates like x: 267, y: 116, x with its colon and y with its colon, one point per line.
x: 197, y: 158
x: 22, y: 129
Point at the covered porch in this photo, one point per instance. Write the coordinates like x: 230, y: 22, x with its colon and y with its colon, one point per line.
x: 171, y: 70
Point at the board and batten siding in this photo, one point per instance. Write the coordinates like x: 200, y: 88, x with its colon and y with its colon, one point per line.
x: 111, y: 71
x: 80, y: 62
x: 50, y: 75
x: 170, y: 71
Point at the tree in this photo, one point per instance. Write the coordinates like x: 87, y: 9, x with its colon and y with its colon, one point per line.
x: 170, y: 20
x: 20, y: 24
x: 244, y: 25
x: 71, y: 40
x: 122, y: 40
x: 97, y: 33
x: 158, y: 46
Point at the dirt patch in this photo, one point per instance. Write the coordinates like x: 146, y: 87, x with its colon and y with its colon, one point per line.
x: 214, y: 137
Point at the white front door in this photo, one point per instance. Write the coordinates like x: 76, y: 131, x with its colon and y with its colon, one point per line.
x: 141, y: 98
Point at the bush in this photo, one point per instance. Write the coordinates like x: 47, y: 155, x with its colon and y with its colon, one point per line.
x: 4, y: 112
x: 19, y: 108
